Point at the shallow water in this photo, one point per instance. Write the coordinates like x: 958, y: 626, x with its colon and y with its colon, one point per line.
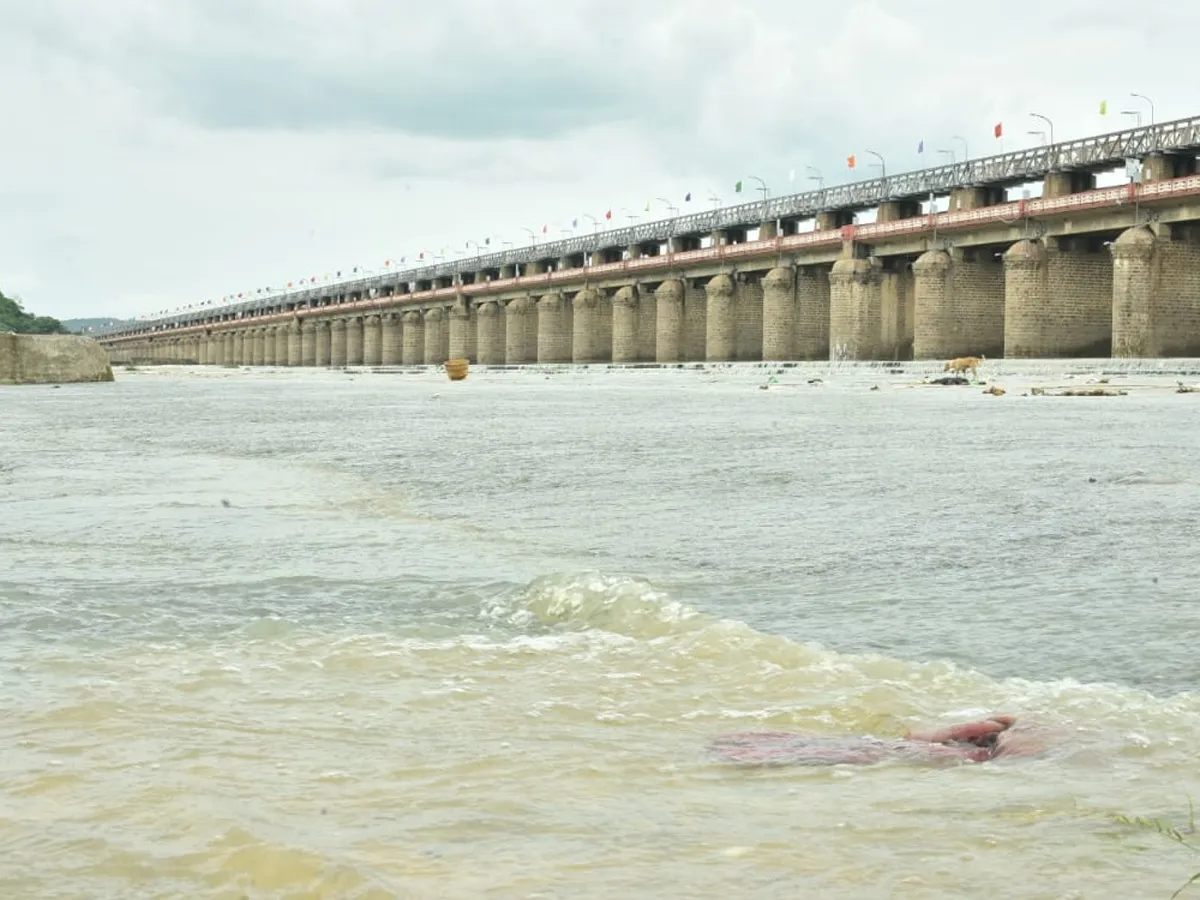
x: 467, y: 640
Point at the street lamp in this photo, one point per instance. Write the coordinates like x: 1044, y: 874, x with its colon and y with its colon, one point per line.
x: 1047, y: 121
x: 1148, y: 100
x: 1040, y: 134
x: 1136, y: 113
x: 949, y: 153
x: 966, y: 152
x: 532, y: 236
x: 818, y: 177
x: 882, y: 164
x: 595, y: 221
x: 763, y: 186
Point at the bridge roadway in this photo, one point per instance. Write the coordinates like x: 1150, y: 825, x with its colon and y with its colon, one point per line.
x: 1079, y: 271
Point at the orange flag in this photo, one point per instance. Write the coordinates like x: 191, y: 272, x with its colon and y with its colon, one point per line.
x: 850, y: 161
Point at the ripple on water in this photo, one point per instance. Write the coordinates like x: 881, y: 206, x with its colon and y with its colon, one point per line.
x: 389, y: 670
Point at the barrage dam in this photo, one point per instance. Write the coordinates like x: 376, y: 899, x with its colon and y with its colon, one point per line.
x: 1080, y: 271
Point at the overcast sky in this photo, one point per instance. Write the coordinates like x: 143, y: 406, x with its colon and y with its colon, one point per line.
x: 158, y: 153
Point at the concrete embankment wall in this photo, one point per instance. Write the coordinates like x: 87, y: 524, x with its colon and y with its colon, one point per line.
x: 52, y: 359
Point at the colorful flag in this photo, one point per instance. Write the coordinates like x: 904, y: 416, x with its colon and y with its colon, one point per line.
x: 688, y: 198
x: 921, y: 147
x: 850, y: 161
x: 487, y: 241
x: 737, y: 188
x: 545, y: 229
x: 608, y: 215
x: 647, y: 206
x: 999, y: 129
x: 575, y: 223
x: 1104, y: 107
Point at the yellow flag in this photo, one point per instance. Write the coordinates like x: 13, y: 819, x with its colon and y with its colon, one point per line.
x: 1104, y: 107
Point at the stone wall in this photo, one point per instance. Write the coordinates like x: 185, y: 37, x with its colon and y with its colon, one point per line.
x: 52, y: 359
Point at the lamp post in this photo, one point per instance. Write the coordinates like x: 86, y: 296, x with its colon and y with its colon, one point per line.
x: 1148, y: 100
x: 1047, y: 121
x: 949, y: 153
x: 1136, y: 113
x: 532, y: 236
x: 882, y: 164
x: 966, y: 150
x: 762, y: 186
x: 818, y: 177
x: 595, y: 221
x: 1040, y: 134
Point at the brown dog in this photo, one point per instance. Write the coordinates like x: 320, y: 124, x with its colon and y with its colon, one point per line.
x: 965, y: 364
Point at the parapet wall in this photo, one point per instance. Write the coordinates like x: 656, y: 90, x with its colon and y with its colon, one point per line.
x: 52, y: 359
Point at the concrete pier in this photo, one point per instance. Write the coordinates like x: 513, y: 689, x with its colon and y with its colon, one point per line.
x: 337, y: 343
x: 588, y: 344
x: 354, y: 341
x: 308, y: 343
x: 324, y: 340
x: 521, y: 332
x: 668, y: 301
x: 959, y: 305
x: 720, y: 339
x: 1156, y: 293
x: 436, y: 337
x: 490, y: 333
x: 1057, y: 300
x: 293, y: 344
x: 413, y: 339
x: 392, y: 351
x: 554, y: 329
x: 281, y: 345
x: 625, y: 326
x: 462, y: 339
x: 856, y: 309
x: 372, y: 341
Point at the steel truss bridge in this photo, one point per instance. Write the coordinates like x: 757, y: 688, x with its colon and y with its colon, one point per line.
x: 1091, y: 153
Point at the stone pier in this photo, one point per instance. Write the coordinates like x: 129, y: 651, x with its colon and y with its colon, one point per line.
x: 413, y: 339
x: 668, y: 300
x: 372, y: 340
x: 337, y: 343
x: 553, y: 329
x: 521, y: 332
x: 392, y: 350
x: 436, y: 337
x: 489, y: 333
x: 354, y: 341
x: 856, y: 309
x: 1156, y: 292
x: 1058, y: 299
x: 959, y: 304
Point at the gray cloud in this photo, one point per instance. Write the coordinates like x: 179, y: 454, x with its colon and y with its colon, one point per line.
x: 161, y: 153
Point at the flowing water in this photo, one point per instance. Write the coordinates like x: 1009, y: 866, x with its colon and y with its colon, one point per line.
x: 303, y: 634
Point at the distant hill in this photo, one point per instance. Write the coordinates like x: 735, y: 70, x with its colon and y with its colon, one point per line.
x: 82, y: 326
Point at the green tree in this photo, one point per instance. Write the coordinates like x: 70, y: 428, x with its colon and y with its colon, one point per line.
x: 14, y: 318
